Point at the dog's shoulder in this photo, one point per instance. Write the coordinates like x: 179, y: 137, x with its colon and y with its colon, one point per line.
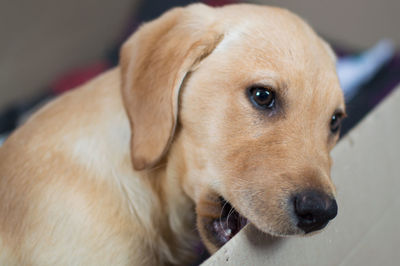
x: 63, y: 174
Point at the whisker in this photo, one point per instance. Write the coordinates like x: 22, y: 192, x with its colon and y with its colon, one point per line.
x: 220, y: 217
x: 229, y: 213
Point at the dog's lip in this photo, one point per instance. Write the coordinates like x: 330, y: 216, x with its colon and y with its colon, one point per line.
x: 227, y: 225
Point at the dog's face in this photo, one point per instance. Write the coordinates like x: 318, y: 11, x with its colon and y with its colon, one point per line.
x: 259, y: 111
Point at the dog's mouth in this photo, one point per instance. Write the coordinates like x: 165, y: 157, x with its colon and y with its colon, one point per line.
x: 224, y: 227
x: 306, y: 212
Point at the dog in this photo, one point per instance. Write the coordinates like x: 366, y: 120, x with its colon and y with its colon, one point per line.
x: 214, y: 118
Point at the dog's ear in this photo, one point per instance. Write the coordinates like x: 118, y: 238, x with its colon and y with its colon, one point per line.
x: 154, y: 63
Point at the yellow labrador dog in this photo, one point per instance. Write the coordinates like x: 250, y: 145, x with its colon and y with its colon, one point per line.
x: 214, y: 118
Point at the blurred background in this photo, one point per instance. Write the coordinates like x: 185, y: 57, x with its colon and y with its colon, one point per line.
x: 51, y: 46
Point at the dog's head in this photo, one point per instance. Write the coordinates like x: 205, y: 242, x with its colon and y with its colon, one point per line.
x: 245, y: 105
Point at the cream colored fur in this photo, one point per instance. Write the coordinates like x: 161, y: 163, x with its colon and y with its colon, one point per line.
x: 112, y: 172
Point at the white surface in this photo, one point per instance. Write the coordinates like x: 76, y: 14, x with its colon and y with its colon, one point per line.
x: 356, y: 70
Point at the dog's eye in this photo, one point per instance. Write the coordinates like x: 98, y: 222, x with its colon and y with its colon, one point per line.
x: 336, y: 122
x: 262, y: 97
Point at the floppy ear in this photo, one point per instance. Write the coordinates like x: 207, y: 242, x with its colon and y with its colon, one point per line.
x: 154, y: 63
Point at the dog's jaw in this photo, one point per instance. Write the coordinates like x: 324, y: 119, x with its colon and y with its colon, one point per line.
x: 217, y: 221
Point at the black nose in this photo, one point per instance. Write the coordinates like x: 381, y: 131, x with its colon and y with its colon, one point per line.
x: 314, y: 210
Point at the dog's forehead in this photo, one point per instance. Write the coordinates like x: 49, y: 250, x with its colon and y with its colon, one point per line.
x: 275, y: 35
x: 273, y: 42
x: 264, y: 22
